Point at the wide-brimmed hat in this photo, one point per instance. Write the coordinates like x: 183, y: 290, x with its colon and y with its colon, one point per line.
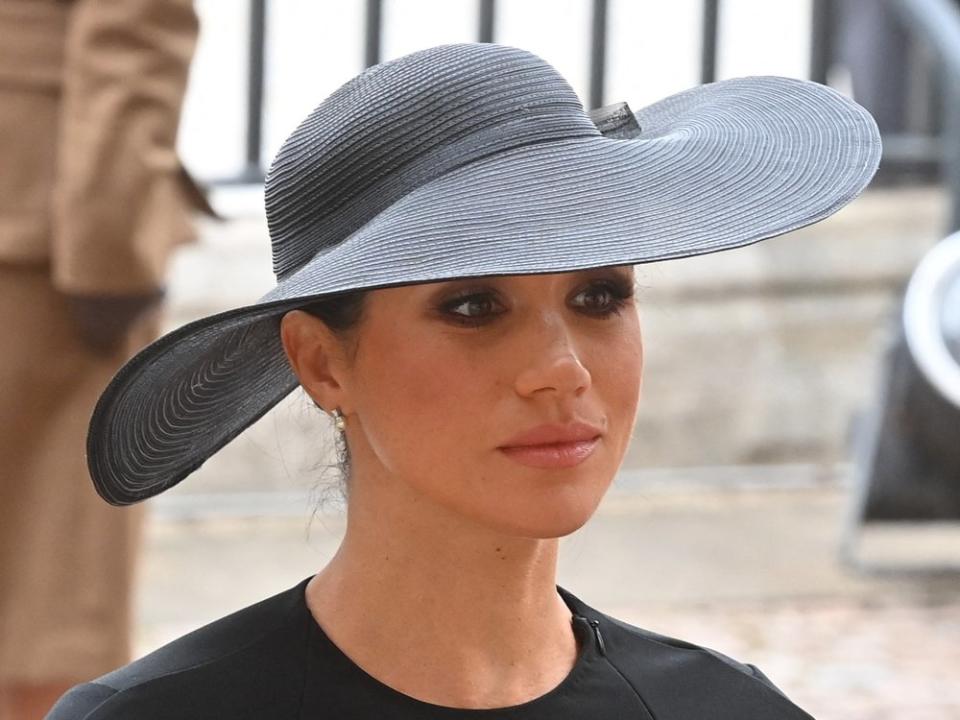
x: 474, y: 160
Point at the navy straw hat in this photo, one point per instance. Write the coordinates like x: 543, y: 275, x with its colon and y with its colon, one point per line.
x: 472, y: 160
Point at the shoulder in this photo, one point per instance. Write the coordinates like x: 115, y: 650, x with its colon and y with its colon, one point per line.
x: 677, y: 678
x: 231, y: 665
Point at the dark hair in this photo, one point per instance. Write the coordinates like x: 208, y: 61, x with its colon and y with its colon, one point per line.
x: 341, y: 313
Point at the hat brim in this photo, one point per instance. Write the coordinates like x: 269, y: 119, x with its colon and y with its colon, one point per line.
x: 716, y: 167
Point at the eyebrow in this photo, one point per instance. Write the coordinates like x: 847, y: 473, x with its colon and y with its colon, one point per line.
x: 444, y: 287
x: 441, y: 287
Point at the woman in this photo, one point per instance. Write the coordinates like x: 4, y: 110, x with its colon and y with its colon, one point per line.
x: 453, y: 239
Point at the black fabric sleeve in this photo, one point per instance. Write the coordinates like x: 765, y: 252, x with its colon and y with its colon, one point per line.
x: 80, y: 702
x: 757, y: 673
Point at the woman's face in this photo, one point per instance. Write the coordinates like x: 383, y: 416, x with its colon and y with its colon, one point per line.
x: 509, y: 400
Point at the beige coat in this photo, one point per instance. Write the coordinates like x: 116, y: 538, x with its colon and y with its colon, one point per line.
x: 91, y: 202
x: 90, y: 97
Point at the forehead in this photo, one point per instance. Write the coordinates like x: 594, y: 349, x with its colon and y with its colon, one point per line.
x: 534, y: 282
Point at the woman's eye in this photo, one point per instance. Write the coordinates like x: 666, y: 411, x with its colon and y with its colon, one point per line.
x: 473, y: 309
x: 601, y: 299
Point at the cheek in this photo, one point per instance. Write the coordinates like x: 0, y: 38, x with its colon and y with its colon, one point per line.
x: 631, y: 368
x: 419, y: 399
x: 616, y: 375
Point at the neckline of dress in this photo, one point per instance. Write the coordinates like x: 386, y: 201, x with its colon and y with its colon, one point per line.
x: 589, y: 650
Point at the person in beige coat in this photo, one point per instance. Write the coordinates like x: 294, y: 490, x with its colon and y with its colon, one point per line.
x: 92, y: 200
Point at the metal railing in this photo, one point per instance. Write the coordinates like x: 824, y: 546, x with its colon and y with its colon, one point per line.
x: 253, y: 169
x: 935, y: 22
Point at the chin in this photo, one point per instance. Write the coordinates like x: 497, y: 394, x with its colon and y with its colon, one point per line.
x: 555, y: 529
x: 546, y: 521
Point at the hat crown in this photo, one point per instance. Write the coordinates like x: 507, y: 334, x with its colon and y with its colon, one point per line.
x: 398, y: 125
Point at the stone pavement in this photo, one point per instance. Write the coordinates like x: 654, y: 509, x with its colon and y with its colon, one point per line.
x: 748, y: 566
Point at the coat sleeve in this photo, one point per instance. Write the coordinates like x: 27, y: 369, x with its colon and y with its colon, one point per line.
x: 119, y: 204
x: 757, y: 673
x: 81, y: 702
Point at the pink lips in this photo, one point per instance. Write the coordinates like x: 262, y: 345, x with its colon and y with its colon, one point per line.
x: 553, y: 446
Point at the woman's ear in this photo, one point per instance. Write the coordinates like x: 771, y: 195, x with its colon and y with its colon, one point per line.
x: 316, y: 356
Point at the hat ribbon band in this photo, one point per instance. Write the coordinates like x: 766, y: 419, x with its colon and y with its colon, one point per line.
x: 328, y: 231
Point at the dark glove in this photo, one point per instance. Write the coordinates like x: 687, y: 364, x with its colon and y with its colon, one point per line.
x: 103, y: 321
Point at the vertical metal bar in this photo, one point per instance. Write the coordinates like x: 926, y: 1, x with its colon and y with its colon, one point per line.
x: 822, y: 25
x: 374, y: 32
x: 938, y: 23
x: 708, y: 41
x: 257, y: 42
x: 598, y: 53
x: 487, y: 17
x: 951, y: 144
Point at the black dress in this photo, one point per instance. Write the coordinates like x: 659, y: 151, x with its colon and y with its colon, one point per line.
x: 271, y: 661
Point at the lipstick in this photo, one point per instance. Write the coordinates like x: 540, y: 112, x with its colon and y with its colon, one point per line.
x: 553, y: 446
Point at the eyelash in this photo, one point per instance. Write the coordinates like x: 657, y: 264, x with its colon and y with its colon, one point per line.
x: 620, y: 291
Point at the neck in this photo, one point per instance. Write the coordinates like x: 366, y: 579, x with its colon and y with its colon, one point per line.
x: 441, y: 608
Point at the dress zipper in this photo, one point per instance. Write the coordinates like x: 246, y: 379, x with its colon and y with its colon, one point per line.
x: 595, y: 624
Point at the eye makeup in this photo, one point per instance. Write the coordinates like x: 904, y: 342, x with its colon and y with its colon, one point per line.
x: 474, y: 303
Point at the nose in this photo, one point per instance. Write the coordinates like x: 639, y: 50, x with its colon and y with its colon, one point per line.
x: 553, y: 363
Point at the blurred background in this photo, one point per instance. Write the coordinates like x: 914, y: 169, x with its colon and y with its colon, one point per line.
x: 792, y: 492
